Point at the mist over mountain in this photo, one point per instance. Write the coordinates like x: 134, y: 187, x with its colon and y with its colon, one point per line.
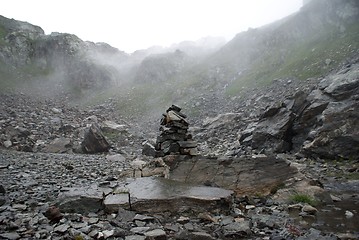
x: 207, y: 77
x: 255, y: 138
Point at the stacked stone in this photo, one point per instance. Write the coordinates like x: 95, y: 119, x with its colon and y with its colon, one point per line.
x: 174, y: 137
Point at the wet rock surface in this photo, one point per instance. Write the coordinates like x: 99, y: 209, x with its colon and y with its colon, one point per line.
x: 257, y: 174
x: 41, y: 190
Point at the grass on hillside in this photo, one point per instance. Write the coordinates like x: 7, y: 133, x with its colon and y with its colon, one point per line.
x: 303, y: 59
x: 2, y: 35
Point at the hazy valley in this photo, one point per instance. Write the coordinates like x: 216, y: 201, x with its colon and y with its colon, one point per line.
x: 260, y: 139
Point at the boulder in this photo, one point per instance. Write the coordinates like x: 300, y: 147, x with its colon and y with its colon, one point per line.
x: 274, y: 132
x: 246, y: 175
x: 158, y: 195
x: 342, y: 85
x: 339, y: 135
x: 94, y: 140
x: 82, y: 200
x: 59, y: 145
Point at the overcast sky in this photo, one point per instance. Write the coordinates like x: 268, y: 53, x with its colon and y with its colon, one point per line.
x: 138, y: 24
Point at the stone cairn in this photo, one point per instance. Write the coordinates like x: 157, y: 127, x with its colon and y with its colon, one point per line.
x: 174, y: 137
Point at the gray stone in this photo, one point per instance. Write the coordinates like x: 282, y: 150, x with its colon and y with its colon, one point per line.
x: 200, y: 236
x: 10, y: 235
x: 113, y: 128
x: 2, y: 189
x: 140, y: 230
x: 155, y: 195
x: 94, y: 141
x: 309, y: 209
x: 156, y: 234
x: 245, y: 175
x: 7, y: 143
x: 113, y: 202
x: 343, y: 85
x: 149, y: 150
x: 82, y: 200
x: 237, y: 229
x: 316, y: 234
x: 141, y: 217
x: 274, y: 132
x: 108, y: 233
x: 135, y: 237
x: 338, y: 136
x: 59, y: 145
x: 62, y: 228
x: 125, y: 215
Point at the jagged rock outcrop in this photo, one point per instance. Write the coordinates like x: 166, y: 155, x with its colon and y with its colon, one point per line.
x: 338, y: 134
x: 322, y: 123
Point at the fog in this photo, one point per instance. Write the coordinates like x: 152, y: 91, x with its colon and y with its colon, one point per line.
x: 140, y: 24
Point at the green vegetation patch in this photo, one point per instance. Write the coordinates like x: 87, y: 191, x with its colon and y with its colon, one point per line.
x: 303, y: 198
x: 3, y: 33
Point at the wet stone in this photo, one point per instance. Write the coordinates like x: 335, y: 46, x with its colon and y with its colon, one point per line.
x: 153, y: 195
x: 10, y: 235
x: 135, y: 237
x: 62, y: 228
x: 140, y: 230
x: 156, y: 234
x: 237, y: 229
x: 200, y: 236
x: 113, y: 202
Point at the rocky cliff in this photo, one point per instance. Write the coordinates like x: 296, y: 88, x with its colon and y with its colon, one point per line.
x: 59, y: 60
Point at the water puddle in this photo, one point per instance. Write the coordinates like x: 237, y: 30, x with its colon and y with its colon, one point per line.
x: 338, y: 217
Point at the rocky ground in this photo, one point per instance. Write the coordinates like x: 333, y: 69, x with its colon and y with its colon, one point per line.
x: 33, y: 182
x: 51, y: 189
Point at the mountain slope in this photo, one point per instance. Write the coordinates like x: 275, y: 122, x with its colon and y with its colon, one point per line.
x: 309, y: 43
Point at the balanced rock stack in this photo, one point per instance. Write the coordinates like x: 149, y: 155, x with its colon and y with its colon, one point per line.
x: 174, y: 137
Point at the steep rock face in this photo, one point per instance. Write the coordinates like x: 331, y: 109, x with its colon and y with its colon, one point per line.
x: 59, y: 58
x: 325, y: 124
x: 338, y: 134
x: 15, y: 41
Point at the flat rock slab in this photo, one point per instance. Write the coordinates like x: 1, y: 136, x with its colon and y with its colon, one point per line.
x: 245, y: 175
x: 148, y: 194
x: 154, y: 195
x: 82, y: 200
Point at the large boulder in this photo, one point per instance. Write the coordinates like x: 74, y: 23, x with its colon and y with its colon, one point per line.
x: 339, y: 135
x: 94, y: 140
x: 258, y: 174
x: 157, y: 195
x: 320, y: 123
x: 274, y: 131
x: 336, y: 134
